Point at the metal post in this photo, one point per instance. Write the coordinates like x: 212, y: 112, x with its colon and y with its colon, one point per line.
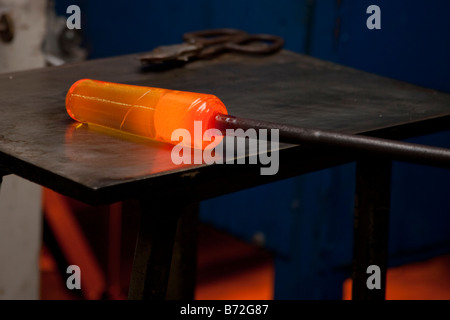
x: 184, y: 259
x: 371, y: 227
x: 154, y: 250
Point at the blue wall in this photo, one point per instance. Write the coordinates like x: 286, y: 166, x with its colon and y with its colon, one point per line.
x: 413, y: 44
x: 120, y: 27
x: 307, y: 221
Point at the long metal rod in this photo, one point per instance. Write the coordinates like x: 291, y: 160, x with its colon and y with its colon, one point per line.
x: 395, y: 150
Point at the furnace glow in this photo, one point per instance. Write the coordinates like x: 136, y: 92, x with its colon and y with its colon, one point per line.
x: 148, y: 112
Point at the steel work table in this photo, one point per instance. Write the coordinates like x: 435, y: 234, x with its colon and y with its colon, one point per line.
x: 39, y: 142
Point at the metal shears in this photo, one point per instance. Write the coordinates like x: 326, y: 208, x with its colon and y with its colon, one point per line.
x: 206, y: 44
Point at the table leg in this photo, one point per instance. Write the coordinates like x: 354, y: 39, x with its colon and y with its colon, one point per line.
x: 155, y: 246
x: 371, y: 228
x: 184, y: 259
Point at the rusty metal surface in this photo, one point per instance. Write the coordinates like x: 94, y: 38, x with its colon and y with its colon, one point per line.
x: 39, y: 141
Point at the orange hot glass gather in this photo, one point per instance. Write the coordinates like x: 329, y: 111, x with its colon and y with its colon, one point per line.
x: 149, y: 112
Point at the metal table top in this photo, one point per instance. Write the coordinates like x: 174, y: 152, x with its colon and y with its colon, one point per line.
x: 39, y: 141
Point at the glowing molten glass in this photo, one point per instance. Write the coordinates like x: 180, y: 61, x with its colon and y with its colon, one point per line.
x: 148, y: 112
